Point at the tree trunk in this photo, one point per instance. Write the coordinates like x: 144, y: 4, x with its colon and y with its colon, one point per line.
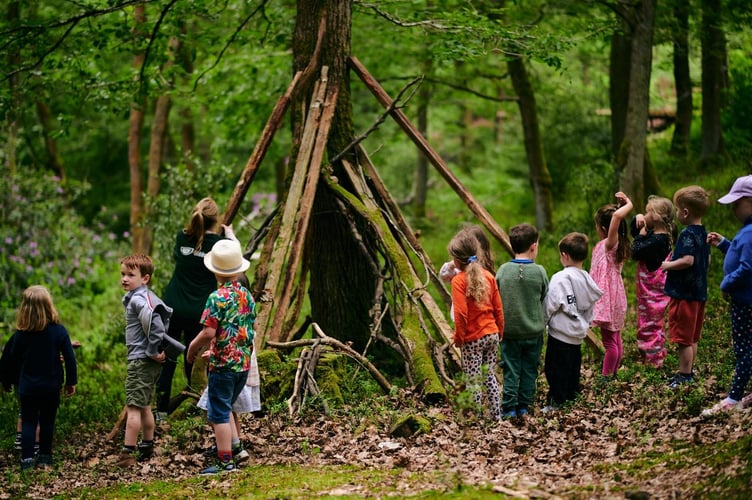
x: 134, y: 138
x: 14, y: 61
x: 619, y: 68
x: 682, y: 79
x: 714, y: 79
x: 187, y: 130
x: 540, y: 178
x: 631, y: 159
x: 342, y: 283
x: 54, y: 162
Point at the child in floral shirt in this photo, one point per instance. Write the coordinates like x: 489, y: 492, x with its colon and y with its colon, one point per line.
x: 228, y: 325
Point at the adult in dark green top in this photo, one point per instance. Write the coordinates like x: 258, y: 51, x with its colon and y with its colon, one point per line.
x: 189, y: 287
x: 523, y: 285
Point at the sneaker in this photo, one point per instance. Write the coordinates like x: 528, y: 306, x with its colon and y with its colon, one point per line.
x: 239, y: 454
x: 522, y: 412
x: 44, y: 460
x: 746, y: 402
x: 126, y: 459
x: 680, y: 379
x: 27, y: 464
x: 724, y: 405
x: 549, y: 409
x: 160, y: 417
x: 18, y: 442
x: 509, y: 414
x: 219, y: 467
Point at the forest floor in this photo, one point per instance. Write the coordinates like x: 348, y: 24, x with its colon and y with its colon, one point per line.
x: 613, y: 443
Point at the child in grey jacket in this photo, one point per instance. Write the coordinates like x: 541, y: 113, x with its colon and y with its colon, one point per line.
x: 568, y: 308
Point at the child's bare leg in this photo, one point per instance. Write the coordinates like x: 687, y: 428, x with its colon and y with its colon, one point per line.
x: 147, y: 424
x: 132, y: 425
x: 223, y: 437
x: 235, y: 420
x: 686, y: 358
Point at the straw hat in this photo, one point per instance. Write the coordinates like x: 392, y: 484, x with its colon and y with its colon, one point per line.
x: 226, y: 258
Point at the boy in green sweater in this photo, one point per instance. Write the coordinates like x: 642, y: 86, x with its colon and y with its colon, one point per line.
x: 523, y: 285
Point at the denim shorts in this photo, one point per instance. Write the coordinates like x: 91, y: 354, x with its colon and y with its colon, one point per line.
x: 140, y: 381
x: 224, y: 389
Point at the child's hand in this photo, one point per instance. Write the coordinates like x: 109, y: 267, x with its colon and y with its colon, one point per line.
x: 206, y: 354
x: 70, y: 390
x: 159, y: 358
x: 622, y: 199
x: 714, y: 238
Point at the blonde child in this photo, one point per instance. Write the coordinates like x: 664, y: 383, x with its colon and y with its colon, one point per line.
x: 687, y: 280
x: 606, y: 263
x: 737, y: 287
x: 34, y: 355
x: 478, y: 317
x: 651, y: 245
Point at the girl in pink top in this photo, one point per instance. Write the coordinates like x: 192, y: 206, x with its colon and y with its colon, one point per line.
x: 608, y: 258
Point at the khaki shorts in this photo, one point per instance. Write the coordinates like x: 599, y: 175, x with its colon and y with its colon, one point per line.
x: 140, y: 381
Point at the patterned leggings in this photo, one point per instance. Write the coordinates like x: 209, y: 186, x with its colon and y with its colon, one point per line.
x: 477, y: 356
x: 741, y: 332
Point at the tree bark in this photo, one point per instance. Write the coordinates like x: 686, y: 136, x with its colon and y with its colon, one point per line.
x: 619, y: 69
x: 13, y: 15
x: 134, y: 137
x: 682, y: 79
x: 540, y: 177
x: 714, y: 79
x: 420, y: 183
x: 631, y: 160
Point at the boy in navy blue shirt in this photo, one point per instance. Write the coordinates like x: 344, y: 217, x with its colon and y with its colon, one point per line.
x: 687, y: 280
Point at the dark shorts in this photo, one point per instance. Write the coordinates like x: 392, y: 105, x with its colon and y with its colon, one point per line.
x: 140, y: 381
x: 224, y: 387
x: 685, y: 319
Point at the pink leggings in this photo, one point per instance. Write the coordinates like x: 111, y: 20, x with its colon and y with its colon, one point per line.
x: 614, y: 351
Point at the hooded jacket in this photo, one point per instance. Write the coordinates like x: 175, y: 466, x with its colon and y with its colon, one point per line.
x: 147, y: 319
x: 570, y: 303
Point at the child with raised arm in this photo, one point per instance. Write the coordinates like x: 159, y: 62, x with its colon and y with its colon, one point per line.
x: 737, y: 287
x: 687, y: 280
x: 33, y: 364
x: 146, y: 321
x: 228, y: 320
x: 478, y: 319
x: 606, y: 264
x: 523, y: 285
x: 651, y: 245
x: 568, y: 308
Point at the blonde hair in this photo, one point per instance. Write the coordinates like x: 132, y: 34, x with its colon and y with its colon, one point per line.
x: 37, y: 310
x: 694, y: 198
x: 664, y: 209
x: 205, y: 217
x: 465, y: 247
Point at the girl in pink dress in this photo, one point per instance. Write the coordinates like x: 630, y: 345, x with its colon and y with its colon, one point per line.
x: 607, y: 260
x: 651, y: 245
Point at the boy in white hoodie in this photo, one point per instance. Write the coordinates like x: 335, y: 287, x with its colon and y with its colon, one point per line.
x: 568, y: 309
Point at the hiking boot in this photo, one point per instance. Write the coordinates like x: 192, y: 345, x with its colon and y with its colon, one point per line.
x: 18, y: 442
x: 27, y: 464
x: 680, y: 379
x: 145, y: 451
x: 126, y: 459
x: 218, y: 468
x: 724, y: 405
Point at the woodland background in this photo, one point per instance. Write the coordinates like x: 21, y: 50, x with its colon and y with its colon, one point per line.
x: 119, y: 115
